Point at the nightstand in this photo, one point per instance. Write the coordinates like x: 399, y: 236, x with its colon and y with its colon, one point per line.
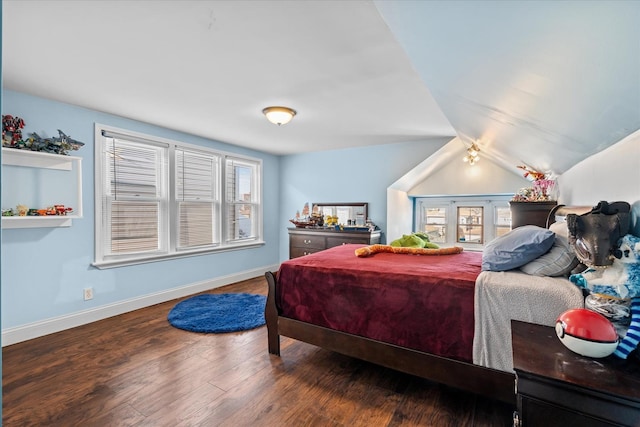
x: 556, y: 387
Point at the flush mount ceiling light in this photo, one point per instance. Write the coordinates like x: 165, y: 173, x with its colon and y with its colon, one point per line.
x: 279, y: 115
x: 472, y: 156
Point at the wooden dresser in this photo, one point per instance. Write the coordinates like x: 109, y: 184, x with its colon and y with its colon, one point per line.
x: 530, y: 213
x: 305, y: 241
x: 556, y: 387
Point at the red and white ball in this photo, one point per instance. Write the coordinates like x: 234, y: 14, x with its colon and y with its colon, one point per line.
x: 586, y: 332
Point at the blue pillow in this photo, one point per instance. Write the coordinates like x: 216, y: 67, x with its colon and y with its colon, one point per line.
x: 516, y: 248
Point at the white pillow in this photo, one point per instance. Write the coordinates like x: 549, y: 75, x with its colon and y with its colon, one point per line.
x: 559, y: 261
x: 560, y: 228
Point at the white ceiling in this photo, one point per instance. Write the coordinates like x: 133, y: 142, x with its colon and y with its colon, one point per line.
x: 209, y: 68
x: 546, y: 83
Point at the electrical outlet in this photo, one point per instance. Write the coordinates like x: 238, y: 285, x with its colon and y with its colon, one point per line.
x: 88, y: 294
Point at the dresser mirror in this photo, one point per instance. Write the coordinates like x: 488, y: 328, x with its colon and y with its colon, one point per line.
x: 348, y: 213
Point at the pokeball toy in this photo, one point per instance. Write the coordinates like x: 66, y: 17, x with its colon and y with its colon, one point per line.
x: 586, y: 332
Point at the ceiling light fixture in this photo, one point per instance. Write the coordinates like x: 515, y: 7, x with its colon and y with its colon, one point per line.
x: 472, y: 156
x: 279, y: 115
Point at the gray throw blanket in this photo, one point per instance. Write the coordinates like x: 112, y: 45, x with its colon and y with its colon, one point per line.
x: 502, y: 296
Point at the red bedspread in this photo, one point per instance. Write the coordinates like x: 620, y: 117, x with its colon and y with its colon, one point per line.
x: 419, y: 302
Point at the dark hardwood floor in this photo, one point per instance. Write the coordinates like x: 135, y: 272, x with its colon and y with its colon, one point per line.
x: 137, y: 370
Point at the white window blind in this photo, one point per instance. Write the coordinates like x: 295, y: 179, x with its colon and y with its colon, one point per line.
x: 197, y: 199
x: 160, y: 199
x: 134, y: 198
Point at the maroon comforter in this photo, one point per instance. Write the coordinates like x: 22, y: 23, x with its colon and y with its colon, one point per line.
x: 419, y: 302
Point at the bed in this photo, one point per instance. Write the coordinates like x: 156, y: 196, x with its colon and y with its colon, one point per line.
x: 436, y: 317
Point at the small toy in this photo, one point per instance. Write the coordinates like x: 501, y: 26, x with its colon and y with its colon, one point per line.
x: 57, y: 145
x: 62, y: 209
x: 22, y: 210
x: 11, y: 130
x: 586, y: 332
x: 330, y: 220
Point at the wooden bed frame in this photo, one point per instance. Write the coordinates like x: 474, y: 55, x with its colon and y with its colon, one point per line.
x: 477, y: 379
x: 488, y: 382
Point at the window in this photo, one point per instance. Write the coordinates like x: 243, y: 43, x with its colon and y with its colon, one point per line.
x: 435, y: 223
x: 197, y: 201
x: 242, y: 199
x: 163, y: 199
x: 502, y: 220
x: 470, y: 224
x: 468, y: 221
x: 134, y: 198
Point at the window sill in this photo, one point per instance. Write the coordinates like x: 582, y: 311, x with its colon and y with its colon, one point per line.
x: 103, y: 265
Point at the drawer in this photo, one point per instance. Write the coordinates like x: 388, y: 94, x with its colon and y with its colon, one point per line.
x: 337, y: 241
x: 295, y: 252
x: 307, y: 241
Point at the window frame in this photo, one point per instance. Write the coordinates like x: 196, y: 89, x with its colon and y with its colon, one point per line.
x: 102, y: 259
x: 231, y: 161
x: 488, y: 203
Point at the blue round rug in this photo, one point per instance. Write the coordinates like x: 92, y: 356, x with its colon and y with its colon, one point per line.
x: 219, y: 313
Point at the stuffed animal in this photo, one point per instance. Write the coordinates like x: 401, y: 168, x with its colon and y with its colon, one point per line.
x: 374, y: 249
x: 415, y: 240
x: 620, y: 280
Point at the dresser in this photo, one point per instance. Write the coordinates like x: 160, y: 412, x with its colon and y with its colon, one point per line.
x: 305, y: 241
x: 556, y: 387
x: 530, y: 213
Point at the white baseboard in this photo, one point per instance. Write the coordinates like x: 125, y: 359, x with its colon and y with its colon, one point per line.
x: 57, y: 324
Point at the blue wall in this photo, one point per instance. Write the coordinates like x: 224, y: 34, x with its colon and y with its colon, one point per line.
x: 348, y: 175
x: 45, y: 269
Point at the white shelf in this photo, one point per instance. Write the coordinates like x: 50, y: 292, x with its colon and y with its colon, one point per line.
x: 40, y: 160
x: 37, y: 221
x: 35, y: 159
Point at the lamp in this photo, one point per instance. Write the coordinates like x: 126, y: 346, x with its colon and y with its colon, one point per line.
x: 279, y: 115
x: 472, y: 156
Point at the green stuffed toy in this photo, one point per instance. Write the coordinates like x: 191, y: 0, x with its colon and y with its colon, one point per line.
x: 415, y: 240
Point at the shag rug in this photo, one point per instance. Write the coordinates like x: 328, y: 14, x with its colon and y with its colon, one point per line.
x: 219, y: 313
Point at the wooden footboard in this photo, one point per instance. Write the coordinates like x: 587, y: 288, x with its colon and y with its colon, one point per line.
x: 465, y: 376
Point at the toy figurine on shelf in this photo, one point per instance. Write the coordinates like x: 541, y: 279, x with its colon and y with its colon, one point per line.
x: 61, y: 144
x: 12, y: 138
x: 11, y: 131
x: 22, y: 210
x: 62, y: 209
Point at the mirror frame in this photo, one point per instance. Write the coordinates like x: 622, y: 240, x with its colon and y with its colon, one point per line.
x: 363, y: 205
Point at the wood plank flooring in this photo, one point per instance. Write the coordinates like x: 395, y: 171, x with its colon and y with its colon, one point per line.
x: 137, y: 370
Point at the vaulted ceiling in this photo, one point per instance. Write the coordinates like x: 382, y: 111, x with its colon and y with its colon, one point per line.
x: 544, y: 83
